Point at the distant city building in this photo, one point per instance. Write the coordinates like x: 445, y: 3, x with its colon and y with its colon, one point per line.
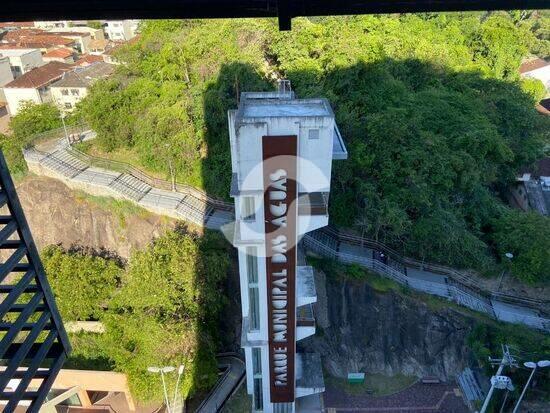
x: 281, y: 155
x: 6, y: 76
x: 121, y: 29
x: 38, y: 39
x: 62, y: 55
x: 54, y: 24
x: 74, y: 85
x: 95, y: 34
x: 537, y: 69
x: 22, y: 60
x: 34, y: 86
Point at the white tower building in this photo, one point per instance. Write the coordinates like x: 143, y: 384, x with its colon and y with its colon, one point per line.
x: 281, y: 154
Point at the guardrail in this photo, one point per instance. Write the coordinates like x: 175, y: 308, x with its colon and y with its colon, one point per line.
x: 150, y: 180
x: 451, y: 273
x: 466, y: 287
x: 452, y: 289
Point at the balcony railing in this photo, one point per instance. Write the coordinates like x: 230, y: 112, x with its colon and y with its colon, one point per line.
x: 313, y: 203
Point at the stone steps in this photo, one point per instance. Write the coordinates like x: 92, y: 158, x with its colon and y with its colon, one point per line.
x: 130, y: 187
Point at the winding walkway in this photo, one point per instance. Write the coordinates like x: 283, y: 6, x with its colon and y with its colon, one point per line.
x: 98, y: 176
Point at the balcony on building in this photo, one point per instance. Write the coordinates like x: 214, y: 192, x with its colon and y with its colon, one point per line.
x: 305, y: 322
x: 309, y: 374
x: 305, y: 286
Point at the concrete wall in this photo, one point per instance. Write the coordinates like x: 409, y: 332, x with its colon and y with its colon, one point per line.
x: 16, y: 96
x: 542, y: 74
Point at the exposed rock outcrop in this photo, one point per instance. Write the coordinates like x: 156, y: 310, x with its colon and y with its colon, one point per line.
x: 58, y: 215
x: 360, y: 329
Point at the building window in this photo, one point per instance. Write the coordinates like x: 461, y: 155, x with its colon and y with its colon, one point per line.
x: 258, y: 395
x: 65, y: 92
x: 313, y: 134
x: 75, y: 92
x: 257, y: 374
x: 248, y: 208
x: 253, y: 290
x: 68, y: 106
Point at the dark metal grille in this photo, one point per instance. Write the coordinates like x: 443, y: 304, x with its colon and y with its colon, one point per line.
x: 33, y: 342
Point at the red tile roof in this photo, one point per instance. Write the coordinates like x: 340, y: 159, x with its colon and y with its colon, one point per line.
x: 61, y: 53
x: 533, y: 65
x: 88, y: 59
x: 40, y: 76
x: 36, y: 38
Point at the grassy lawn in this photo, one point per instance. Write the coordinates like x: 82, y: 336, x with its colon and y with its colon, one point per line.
x: 240, y: 402
x: 374, y: 384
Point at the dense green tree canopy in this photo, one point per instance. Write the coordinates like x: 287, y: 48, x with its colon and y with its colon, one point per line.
x: 83, y: 284
x: 162, y: 309
x: 434, y: 114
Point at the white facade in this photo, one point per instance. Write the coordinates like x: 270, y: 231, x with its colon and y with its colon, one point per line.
x: 121, y: 30
x: 22, y: 60
x: 310, y: 122
x: 95, y: 34
x: 53, y: 24
x: 541, y: 73
x: 6, y: 75
x: 15, y: 97
x: 66, y: 98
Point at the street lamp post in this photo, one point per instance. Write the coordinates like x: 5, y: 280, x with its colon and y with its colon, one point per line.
x: 180, y: 372
x: 509, y: 256
x: 65, y: 128
x: 162, y: 371
x: 530, y: 365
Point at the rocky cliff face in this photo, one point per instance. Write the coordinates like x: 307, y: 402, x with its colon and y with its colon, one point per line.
x: 58, y: 215
x: 360, y: 329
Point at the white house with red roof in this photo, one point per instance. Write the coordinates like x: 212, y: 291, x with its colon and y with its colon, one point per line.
x: 34, y: 86
x: 537, y: 69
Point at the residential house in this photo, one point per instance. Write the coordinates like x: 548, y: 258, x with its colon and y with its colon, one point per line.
x: 121, y: 29
x: 74, y: 85
x: 82, y: 39
x: 88, y: 59
x: 99, y: 46
x: 95, y: 34
x: 537, y: 69
x: 22, y: 60
x: 34, y: 86
x: 54, y: 24
x: 37, y: 39
x: 6, y: 76
x: 62, y: 55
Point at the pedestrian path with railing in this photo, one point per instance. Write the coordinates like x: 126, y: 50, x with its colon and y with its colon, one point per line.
x: 100, y: 176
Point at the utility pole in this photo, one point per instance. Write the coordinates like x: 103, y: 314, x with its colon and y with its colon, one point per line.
x: 499, y: 381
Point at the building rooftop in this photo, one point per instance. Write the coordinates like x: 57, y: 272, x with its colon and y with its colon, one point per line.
x: 88, y: 59
x: 533, y: 65
x: 309, y: 373
x: 84, y: 77
x: 270, y: 105
x: 40, y: 76
x: 62, y: 53
x: 15, y: 52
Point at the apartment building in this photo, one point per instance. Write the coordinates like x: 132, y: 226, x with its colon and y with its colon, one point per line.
x: 121, y: 29
x: 281, y: 156
x: 22, y: 60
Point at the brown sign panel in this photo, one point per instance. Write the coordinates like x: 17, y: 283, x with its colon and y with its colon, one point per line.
x: 280, y: 192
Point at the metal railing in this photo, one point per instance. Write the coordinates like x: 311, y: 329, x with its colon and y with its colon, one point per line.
x: 452, y: 289
x: 150, y: 180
